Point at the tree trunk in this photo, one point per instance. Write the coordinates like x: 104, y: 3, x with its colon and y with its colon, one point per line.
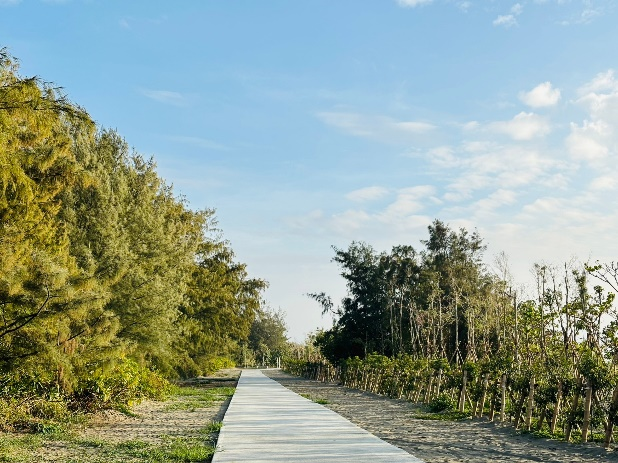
x: 479, y: 412
x: 502, y: 397
x: 587, y: 405
x: 573, y: 411
x: 439, y: 383
x: 554, y: 418
x: 427, y: 398
x: 462, y: 395
x: 530, y: 404
x: 539, y: 425
x: 520, y: 406
x: 611, y: 418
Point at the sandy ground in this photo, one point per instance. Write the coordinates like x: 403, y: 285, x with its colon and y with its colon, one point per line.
x: 152, y: 421
x: 477, y: 441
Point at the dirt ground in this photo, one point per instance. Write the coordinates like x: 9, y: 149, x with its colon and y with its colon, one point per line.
x: 152, y: 422
x: 468, y: 441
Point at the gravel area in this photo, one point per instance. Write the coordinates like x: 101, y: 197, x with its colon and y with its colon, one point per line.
x: 473, y: 440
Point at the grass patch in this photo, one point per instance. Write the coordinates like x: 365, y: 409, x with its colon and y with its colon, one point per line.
x: 17, y: 448
x: 171, y: 450
x: 450, y: 415
x: 25, y: 447
x: 192, y: 398
x: 212, y: 428
x: 317, y: 400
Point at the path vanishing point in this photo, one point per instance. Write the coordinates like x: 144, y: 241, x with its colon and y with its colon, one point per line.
x: 265, y: 422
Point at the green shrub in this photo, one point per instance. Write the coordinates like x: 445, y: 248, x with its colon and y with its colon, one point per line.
x: 442, y: 403
x: 125, y: 384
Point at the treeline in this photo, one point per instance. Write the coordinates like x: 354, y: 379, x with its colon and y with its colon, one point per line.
x: 439, y: 325
x: 101, y: 265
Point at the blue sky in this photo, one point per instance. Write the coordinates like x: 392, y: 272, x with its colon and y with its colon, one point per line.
x: 313, y: 123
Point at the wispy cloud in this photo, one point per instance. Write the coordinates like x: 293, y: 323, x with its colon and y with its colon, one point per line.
x: 464, y: 6
x: 375, y: 127
x: 604, y: 183
x: 509, y: 20
x: 9, y: 2
x: 128, y: 22
x: 589, y: 12
x: 370, y: 193
x: 165, y: 96
x: 524, y: 126
x: 541, y: 96
x: 402, y: 215
x: 413, y: 3
x: 409, y: 201
x: 586, y: 142
x: 594, y: 140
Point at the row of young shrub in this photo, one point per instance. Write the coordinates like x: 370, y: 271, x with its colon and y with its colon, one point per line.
x: 576, y: 404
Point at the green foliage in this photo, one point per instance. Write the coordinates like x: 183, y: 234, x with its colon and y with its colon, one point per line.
x: 125, y: 384
x: 267, y: 337
x: 595, y: 370
x: 442, y: 403
x: 99, y: 260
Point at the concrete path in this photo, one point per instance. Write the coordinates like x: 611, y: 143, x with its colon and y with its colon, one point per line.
x: 266, y: 422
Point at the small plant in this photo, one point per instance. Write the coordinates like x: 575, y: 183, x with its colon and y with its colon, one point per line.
x: 442, y: 403
x: 213, y: 427
x: 317, y: 400
x: 453, y: 415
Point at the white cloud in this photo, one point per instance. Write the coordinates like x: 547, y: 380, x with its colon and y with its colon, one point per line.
x: 472, y: 125
x: 375, y: 127
x: 540, y: 96
x: 349, y: 221
x: 493, y: 201
x: 602, y: 82
x: 482, y: 165
x: 165, y: 96
x: 604, y: 183
x: 443, y: 156
x: 505, y: 21
x: 413, y: 3
x: 524, y: 126
x: 9, y: 2
x: 464, y: 6
x: 409, y: 201
x: 517, y: 9
x: 600, y: 98
x: 595, y: 139
x: 586, y: 142
x: 509, y: 20
x: 415, y: 127
x: 371, y: 193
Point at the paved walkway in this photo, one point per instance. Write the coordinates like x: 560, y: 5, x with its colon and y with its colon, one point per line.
x: 266, y: 422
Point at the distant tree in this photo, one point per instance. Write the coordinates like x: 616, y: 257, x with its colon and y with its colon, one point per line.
x: 268, y: 337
